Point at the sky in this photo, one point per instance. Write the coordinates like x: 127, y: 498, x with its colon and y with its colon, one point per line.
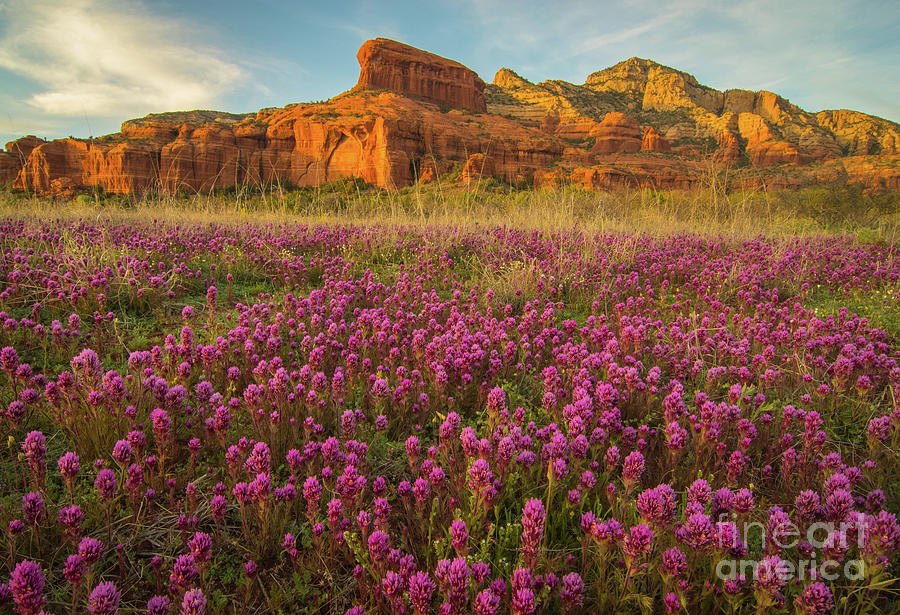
x: 81, y: 67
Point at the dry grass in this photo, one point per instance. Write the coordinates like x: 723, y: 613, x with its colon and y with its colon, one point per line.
x: 707, y: 211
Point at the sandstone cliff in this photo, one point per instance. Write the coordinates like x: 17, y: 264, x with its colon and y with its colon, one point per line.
x: 616, y: 133
x: 383, y: 138
x: 9, y: 167
x: 389, y: 65
x: 414, y: 116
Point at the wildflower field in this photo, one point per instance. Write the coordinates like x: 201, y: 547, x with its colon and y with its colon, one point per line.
x: 282, y: 418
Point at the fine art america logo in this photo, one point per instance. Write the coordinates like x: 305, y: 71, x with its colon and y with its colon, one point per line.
x: 831, y: 541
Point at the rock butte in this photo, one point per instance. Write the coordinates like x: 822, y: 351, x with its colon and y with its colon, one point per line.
x: 414, y: 115
x: 389, y: 65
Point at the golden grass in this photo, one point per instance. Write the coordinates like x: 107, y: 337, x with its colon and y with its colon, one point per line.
x: 706, y: 211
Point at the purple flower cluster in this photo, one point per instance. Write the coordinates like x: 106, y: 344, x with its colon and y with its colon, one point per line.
x: 379, y: 427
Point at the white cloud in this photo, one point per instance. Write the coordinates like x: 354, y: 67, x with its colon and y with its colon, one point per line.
x: 110, y: 57
x: 10, y: 128
x: 657, y: 22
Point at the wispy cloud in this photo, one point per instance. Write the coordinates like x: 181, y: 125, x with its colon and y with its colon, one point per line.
x: 110, y: 57
x: 10, y: 127
x: 653, y: 24
x: 577, y: 36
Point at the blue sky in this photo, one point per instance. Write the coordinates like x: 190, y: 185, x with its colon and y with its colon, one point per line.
x: 81, y: 67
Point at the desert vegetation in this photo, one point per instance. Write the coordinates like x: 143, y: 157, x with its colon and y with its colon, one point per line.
x: 450, y: 400
x: 718, y: 208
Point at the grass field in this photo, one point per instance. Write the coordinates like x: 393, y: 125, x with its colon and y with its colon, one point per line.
x: 827, y: 209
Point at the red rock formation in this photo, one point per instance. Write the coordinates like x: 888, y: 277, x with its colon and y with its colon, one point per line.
x: 577, y: 129
x: 817, y: 144
x: 549, y: 124
x: 9, y: 168
x: 878, y: 173
x: 202, y: 159
x: 507, y: 78
x: 154, y: 131
x: 886, y: 179
x: 389, y: 65
x: 549, y: 178
x: 21, y: 148
x: 124, y: 168
x: 773, y: 152
x: 861, y: 134
x: 382, y: 139
x: 617, y: 133
x: 655, y: 173
x: 428, y: 173
x: 729, y: 150
x: 57, y: 160
x: 603, y: 179
x: 754, y: 129
x: 392, y: 139
x: 477, y: 167
x: 655, y: 86
x: 764, y: 147
x: 654, y: 142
